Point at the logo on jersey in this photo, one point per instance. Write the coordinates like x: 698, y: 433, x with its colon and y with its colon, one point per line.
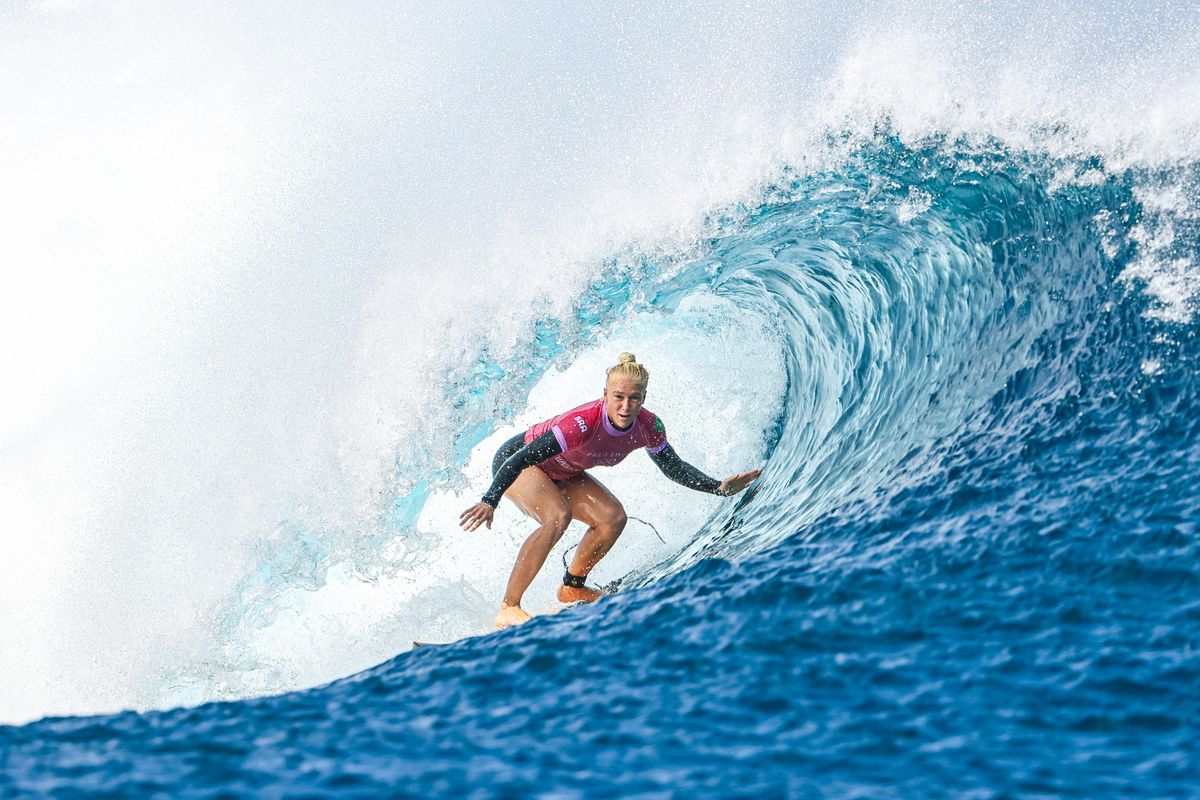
x: 582, y: 424
x: 658, y: 425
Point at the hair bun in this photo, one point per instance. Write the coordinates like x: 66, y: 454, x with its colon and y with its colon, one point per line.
x: 628, y: 368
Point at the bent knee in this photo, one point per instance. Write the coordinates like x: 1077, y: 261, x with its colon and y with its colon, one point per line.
x: 558, y: 519
x: 616, y: 522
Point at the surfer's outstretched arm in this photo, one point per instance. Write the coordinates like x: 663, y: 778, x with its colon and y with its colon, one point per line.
x: 685, y: 474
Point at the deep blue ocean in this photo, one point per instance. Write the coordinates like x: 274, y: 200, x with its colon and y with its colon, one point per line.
x: 1000, y: 597
x: 970, y: 569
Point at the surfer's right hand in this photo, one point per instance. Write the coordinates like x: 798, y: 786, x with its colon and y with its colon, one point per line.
x: 476, y: 515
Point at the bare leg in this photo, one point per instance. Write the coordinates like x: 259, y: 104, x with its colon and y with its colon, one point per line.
x: 591, y: 502
x: 532, y: 556
x: 539, y: 498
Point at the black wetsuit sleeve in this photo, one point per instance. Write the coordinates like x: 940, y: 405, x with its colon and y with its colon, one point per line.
x: 537, y: 451
x: 682, y: 472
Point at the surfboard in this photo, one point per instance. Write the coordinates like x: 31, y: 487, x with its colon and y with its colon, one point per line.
x: 610, y: 588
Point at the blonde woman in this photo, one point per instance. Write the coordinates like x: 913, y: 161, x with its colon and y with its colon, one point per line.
x: 543, y: 471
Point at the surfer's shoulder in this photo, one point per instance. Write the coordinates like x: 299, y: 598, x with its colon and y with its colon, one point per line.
x: 655, y: 430
x: 650, y: 419
x: 580, y: 422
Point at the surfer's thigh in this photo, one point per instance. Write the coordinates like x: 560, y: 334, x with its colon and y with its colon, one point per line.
x: 538, y: 497
x: 591, y: 502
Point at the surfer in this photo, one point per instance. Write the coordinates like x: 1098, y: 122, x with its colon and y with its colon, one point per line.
x: 543, y: 471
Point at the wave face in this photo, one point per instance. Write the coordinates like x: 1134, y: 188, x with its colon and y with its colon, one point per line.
x: 962, y: 345
x: 974, y: 542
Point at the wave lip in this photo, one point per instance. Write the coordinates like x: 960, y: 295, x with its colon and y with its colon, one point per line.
x: 912, y: 285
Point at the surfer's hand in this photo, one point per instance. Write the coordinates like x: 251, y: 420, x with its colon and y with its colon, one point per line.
x: 735, y: 483
x: 476, y: 515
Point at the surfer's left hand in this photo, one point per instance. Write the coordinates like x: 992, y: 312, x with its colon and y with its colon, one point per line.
x: 735, y: 483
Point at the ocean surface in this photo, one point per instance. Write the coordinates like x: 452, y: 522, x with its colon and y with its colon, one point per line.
x: 954, y: 319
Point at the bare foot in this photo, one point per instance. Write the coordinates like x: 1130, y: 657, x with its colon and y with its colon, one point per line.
x: 571, y: 594
x: 510, y: 616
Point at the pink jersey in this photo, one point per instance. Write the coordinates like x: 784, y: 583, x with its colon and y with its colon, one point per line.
x: 589, y: 439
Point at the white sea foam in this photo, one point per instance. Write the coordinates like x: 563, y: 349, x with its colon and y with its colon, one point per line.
x: 717, y: 380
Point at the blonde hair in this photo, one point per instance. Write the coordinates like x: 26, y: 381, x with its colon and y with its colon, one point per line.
x: 627, y: 367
